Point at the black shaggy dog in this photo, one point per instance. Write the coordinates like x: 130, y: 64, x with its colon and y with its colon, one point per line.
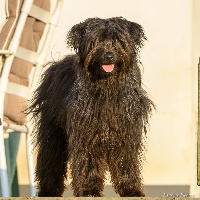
x: 91, y: 112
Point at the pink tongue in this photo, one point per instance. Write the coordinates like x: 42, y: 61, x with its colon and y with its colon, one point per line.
x: 108, y: 68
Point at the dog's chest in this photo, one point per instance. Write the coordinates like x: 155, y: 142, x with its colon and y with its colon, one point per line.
x: 104, y: 113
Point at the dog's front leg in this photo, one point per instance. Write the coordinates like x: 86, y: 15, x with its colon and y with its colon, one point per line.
x: 125, y: 174
x: 88, y: 174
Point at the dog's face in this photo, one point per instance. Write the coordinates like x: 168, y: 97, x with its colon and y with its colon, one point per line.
x: 106, y: 47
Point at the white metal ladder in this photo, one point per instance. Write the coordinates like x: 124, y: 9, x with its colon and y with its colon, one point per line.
x: 38, y: 58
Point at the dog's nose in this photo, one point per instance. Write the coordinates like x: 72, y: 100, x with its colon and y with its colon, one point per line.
x: 108, y: 56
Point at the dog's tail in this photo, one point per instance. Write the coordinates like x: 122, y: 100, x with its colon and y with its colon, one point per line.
x: 47, y: 110
x: 47, y: 105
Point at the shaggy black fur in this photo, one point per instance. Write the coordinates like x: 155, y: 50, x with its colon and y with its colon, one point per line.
x: 91, y: 112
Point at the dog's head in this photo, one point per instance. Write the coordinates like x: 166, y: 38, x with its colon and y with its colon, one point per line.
x: 106, y: 46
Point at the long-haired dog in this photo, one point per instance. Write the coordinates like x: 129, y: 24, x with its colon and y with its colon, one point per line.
x: 91, y: 112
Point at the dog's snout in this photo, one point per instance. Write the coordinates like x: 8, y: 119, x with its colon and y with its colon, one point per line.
x: 108, y: 56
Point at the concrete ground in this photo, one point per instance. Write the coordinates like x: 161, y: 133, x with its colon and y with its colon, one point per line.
x: 150, y: 191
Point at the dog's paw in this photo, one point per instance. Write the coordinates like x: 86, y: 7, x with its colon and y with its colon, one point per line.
x: 133, y: 194
x: 88, y: 193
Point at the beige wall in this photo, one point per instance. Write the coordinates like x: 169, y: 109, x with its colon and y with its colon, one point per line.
x: 170, y: 60
x: 195, y: 59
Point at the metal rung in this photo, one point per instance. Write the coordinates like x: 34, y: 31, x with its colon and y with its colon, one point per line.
x: 18, y: 90
x: 40, y: 14
x: 5, y: 52
x: 20, y: 128
x: 27, y: 55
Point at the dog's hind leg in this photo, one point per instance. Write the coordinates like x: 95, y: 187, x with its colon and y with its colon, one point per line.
x: 125, y: 175
x: 88, y: 174
x: 51, y: 168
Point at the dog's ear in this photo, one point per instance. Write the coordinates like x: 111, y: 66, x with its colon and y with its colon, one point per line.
x: 76, y: 34
x: 137, y: 34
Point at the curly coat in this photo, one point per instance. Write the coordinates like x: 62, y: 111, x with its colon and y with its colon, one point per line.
x: 90, y: 112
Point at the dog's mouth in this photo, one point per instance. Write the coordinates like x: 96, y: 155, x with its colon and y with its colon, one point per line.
x: 108, y: 68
